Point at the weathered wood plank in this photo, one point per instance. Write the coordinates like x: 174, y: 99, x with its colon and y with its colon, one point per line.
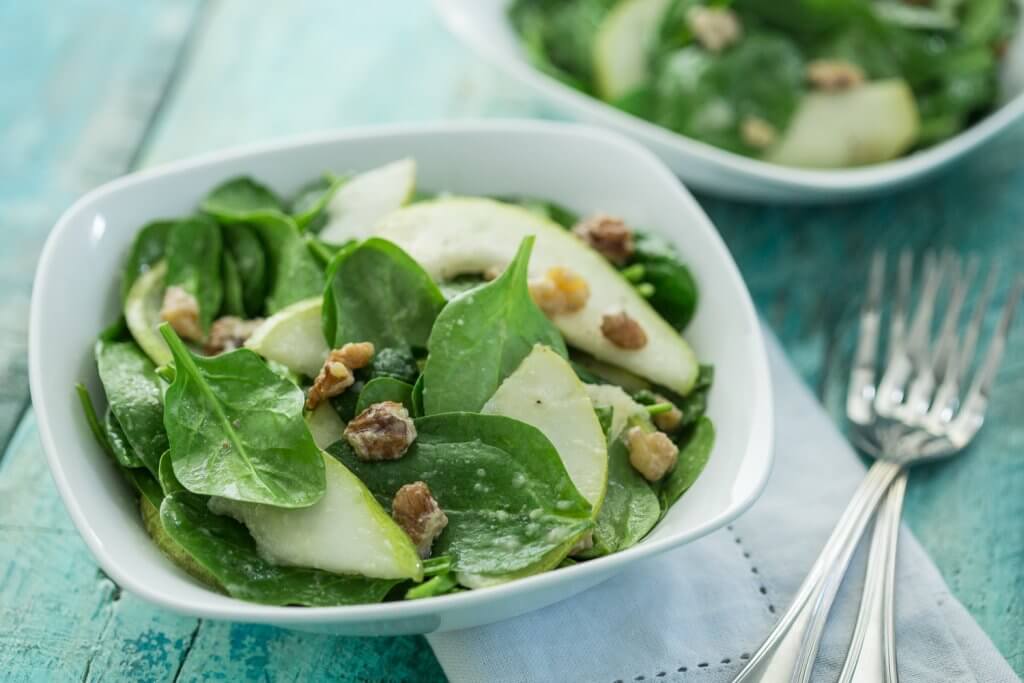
x: 80, y: 85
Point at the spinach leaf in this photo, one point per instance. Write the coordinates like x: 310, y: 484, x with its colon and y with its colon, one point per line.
x: 234, y: 299
x: 193, y: 263
x: 417, y: 398
x: 398, y: 363
x: 150, y: 511
x: 240, y: 196
x: 378, y: 293
x: 243, y: 245
x: 385, y: 389
x: 439, y: 585
x: 236, y: 430
x: 135, y: 396
x: 675, y: 291
x: 308, y: 207
x: 480, y: 338
x: 511, y: 507
x: 119, y: 446
x: 147, y: 250
x: 630, y: 509
x: 324, y: 252
x: 225, y: 549
x: 695, y: 449
x: 168, y: 482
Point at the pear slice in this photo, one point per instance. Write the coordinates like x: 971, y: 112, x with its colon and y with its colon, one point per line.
x: 545, y: 392
x: 293, y: 337
x: 368, y: 197
x: 142, y: 313
x: 622, y: 46
x: 623, y: 406
x: 452, y: 236
x: 345, y: 532
x: 868, y: 124
x: 325, y: 425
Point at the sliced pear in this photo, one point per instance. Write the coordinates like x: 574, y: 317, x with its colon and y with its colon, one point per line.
x: 169, y: 547
x: 325, y: 425
x: 142, y: 313
x: 622, y: 405
x: 874, y: 122
x: 545, y: 392
x: 345, y: 532
x: 452, y: 236
x: 293, y: 337
x: 622, y: 46
x: 368, y: 197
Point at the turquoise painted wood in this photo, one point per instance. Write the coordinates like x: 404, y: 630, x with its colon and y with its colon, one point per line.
x: 105, y: 85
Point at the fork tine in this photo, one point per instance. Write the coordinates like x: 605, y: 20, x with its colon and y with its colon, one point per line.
x: 890, y: 389
x: 861, y: 392
x: 977, y: 321
x: 971, y: 416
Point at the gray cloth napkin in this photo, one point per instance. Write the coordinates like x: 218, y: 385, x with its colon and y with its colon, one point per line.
x: 696, y: 613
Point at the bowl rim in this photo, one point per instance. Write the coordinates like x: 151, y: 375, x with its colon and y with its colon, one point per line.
x: 243, y: 611
x: 854, y: 179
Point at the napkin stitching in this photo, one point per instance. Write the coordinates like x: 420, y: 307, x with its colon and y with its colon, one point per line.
x: 761, y: 588
x: 703, y: 666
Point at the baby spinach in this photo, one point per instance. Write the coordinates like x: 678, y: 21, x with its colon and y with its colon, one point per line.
x: 135, y: 396
x: 194, y: 263
x: 308, y: 207
x: 630, y: 509
x: 119, y: 446
x: 234, y: 299
x: 147, y: 250
x: 675, y: 290
x: 480, y: 338
x: 168, y: 482
x: 240, y: 196
x: 439, y: 585
x: 694, y: 451
x: 243, y: 245
x: 224, y: 548
x: 398, y: 363
x: 385, y: 389
x: 236, y: 430
x: 511, y: 506
x: 378, y: 293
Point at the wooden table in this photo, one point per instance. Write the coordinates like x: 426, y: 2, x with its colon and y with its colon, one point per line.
x: 95, y: 88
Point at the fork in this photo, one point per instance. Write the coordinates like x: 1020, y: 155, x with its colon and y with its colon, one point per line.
x: 912, y: 414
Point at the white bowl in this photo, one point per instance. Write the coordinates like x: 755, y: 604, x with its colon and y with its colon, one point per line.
x: 484, y: 27
x: 76, y: 294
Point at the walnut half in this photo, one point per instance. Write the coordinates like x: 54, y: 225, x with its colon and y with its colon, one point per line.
x: 229, y: 333
x: 419, y: 515
x: 181, y: 310
x: 559, y: 291
x: 623, y: 331
x: 834, y: 75
x: 336, y: 375
x: 652, y: 454
x: 384, y: 431
x: 715, y: 28
x: 607, y: 235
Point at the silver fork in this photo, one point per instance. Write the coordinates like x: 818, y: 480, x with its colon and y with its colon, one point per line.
x: 912, y: 414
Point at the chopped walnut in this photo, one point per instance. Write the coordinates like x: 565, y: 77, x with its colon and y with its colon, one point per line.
x: 834, y: 75
x: 669, y: 421
x: 384, y: 431
x: 229, y: 333
x: 758, y: 133
x: 623, y: 331
x: 652, y: 454
x: 715, y: 28
x: 336, y: 375
x: 559, y: 291
x: 419, y: 515
x: 607, y: 235
x: 181, y: 310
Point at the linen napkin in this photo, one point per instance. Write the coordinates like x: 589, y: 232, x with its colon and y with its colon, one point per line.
x: 696, y: 613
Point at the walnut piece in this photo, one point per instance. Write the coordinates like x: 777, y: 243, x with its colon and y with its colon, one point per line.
x: 623, y: 331
x: 419, y: 515
x: 181, y: 310
x: 669, y: 421
x: 336, y: 375
x: 834, y: 75
x: 652, y: 454
x: 607, y: 235
x: 384, y: 431
x: 559, y: 291
x: 229, y: 333
x: 715, y: 28
x: 758, y: 133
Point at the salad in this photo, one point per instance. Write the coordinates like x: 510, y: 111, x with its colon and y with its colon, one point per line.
x: 366, y: 393
x: 814, y: 83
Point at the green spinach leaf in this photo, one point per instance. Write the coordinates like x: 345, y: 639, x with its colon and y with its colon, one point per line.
x: 675, y: 291
x: 236, y: 430
x: 194, y: 264
x: 511, y: 506
x: 378, y: 293
x: 397, y: 363
x: 135, y: 396
x: 241, y: 196
x: 234, y: 298
x: 385, y: 389
x: 168, y: 482
x: 147, y: 250
x: 439, y: 585
x: 225, y: 549
x: 119, y: 446
x: 243, y: 245
x: 308, y: 207
x: 480, y: 338
x: 694, y: 451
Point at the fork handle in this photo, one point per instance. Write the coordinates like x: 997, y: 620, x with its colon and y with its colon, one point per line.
x: 872, y: 654
x: 787, y: 654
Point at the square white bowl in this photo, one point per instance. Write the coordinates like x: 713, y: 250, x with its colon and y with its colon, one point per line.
x: 484, y: 27
x: 586, y: 169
